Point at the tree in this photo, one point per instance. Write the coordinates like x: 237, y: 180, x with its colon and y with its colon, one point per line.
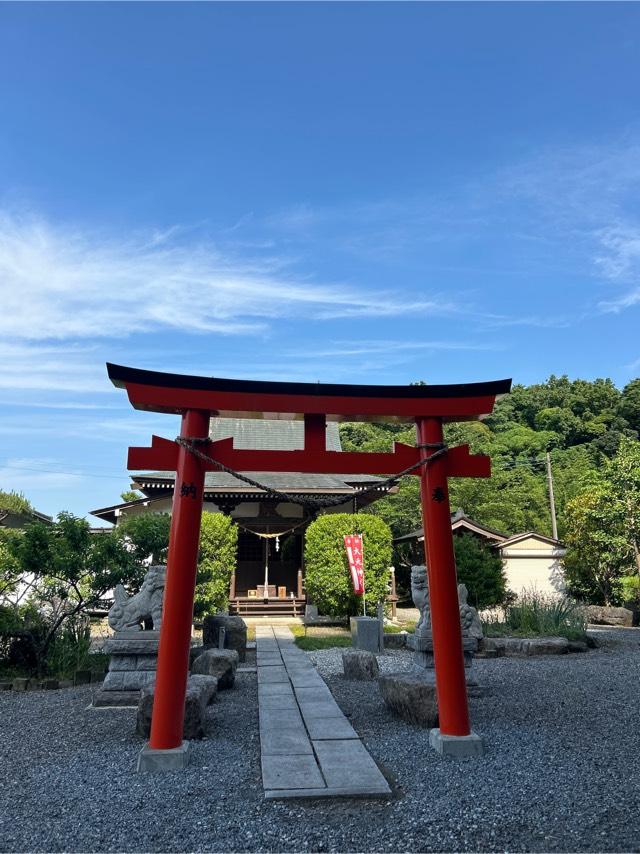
x: 131, y: 495
x: 629, y: 407
x: 16, y: 502
x: 70, y: 570
x: 624, y: 475
x: 147, y: 535
x: 327, y: 577
x: 216, y: 562
x: 481, y: 569
x: 598, y: 552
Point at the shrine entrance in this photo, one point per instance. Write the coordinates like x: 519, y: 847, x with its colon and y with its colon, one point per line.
x: 192, y: 454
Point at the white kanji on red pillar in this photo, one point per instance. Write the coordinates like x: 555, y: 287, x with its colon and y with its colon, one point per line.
x: 353, y: 545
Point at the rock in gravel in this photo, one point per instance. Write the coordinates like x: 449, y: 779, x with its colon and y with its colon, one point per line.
x: 410, y: 698
x: 359, y: 664
x: 545, y: 646
x: 609, y: 616
x: 198, y: 696
x: 221, y: 663
x: 235, y: 633
x: 578, y: 646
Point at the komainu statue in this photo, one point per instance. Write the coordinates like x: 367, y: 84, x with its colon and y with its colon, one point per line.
x: 130, y: 612
x: 469, y: 619
x: 420, y: 596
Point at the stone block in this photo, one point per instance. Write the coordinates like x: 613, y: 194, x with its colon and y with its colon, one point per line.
x: 235, y: 633
x: 194, y: 652
x: 298, y: 771
x: 221, y: 663
x: 395, y: 640
x: 578, y: 646
x: 22, y: 684
x: 545, y: 646
x: 6, y: 686
x: 50, y: 684
x: 359, y: 664
x: 147, y: 662
x: 609, y: 616
x: 209, y: 685
x: 196, y: 699
x: 102, y: 699
x: 365, y: 634
x: 411, y: 698
x: 123, y: 662
x: 457, y: 746
x: 163, y: 760
x: 82, y: 677
x: 345, y: 763
x: 98, y: 676
x: 65, y: 683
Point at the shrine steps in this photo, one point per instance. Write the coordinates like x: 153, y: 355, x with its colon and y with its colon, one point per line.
x: 252, y: 607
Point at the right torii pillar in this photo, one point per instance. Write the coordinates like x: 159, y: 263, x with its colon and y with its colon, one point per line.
x: 454, y: 737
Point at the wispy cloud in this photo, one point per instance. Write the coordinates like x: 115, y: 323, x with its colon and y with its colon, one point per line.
x: 339, y: 349
x: 25, y: 474
x: 61, y: 283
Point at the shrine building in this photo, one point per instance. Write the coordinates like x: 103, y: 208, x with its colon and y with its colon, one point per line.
x: 270, y: 531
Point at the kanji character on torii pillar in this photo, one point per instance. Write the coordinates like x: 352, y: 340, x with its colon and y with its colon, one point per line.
x: 197, y: 399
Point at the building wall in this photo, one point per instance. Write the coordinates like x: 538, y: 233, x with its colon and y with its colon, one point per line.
x: 534, y: 564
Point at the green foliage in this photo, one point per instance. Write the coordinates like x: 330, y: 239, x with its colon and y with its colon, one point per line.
x: 313, y: 643
x: 131, y: 495
x: 536, y: 615
x: 480, y: 568
x: 16, y: 502
x: 10, y: 571
x: 217, y: 561
x: 148, y: 535
x: 327, y: 579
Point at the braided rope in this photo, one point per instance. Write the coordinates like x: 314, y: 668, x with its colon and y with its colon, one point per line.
x: 318, y: 503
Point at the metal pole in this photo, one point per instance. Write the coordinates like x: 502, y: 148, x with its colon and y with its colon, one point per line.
x: 552, y: 503
x: 443, y: 589
x: 177, y: 613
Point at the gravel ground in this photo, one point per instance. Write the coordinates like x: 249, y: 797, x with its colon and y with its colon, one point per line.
x: 559, y: 774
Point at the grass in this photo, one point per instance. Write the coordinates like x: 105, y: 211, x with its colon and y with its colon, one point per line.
x: 320, y: 637
x: 536, y: 615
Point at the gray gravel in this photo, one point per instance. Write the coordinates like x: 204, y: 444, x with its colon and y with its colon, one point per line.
x: 559, y: 774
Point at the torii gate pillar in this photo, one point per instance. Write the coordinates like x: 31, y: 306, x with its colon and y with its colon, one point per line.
x: 454, y: 735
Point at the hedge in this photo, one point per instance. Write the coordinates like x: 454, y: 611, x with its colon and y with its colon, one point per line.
x: 216, y: 562
x: 327, y: 577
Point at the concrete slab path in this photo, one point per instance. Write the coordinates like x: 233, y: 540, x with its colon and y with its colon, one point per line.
x: 308, y: 747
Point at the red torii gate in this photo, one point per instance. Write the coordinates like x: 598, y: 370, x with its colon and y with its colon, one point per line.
x: 197, y: 399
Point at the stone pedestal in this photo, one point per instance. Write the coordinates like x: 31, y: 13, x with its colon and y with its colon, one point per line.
x: 359, y: 664
x: 365, y: 634
x: 422, y: 646
x: 133, y: 663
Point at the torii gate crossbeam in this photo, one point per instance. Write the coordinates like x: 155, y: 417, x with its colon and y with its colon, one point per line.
x: 197, y: 399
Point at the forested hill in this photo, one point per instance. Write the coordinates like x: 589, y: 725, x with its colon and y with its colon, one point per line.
x: 580, y: 423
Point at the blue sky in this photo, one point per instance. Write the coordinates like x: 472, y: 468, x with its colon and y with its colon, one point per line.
x: 373, y: 193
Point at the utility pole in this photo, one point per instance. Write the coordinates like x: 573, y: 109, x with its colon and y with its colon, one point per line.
x: 552, y: 503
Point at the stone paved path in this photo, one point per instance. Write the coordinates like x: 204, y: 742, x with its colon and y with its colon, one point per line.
x: 308, y: 747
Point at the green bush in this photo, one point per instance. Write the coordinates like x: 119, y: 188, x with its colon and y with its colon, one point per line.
x: 480, y: 568
x: 535, y: 615
x: 217, y: 561
x: 327, y: 577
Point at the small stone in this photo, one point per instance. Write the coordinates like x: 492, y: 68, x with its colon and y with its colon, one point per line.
x: 209, y: 685
x: 221, y: 663
x: 359, y: 664
x: 235, y: 633
x: 410, y: 698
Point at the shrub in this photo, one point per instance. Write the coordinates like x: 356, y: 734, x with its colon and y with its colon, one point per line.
x: 217, y: 560
x: 481, y: 569
x: 327, y: 577
x: 533, y: 614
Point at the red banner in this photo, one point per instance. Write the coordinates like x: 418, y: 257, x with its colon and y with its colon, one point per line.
x: 353, y: 545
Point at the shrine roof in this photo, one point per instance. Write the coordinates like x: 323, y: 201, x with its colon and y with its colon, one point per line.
x: 268, y: 434
x: 255, y: 399
x: 282, y: 481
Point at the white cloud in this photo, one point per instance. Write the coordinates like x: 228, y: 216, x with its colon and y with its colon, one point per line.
x: 25, y: 474
x: 61, y: 283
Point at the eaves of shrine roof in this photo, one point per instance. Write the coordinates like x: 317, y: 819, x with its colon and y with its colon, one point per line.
x: 282, y: 481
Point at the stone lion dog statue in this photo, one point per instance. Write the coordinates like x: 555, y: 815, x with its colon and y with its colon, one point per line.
x: 129, y: 612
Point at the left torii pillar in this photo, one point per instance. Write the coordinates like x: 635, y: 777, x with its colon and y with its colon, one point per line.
x: 166, y: 748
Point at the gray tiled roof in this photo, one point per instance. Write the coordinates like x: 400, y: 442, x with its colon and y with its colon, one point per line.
x: 268, y: 434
